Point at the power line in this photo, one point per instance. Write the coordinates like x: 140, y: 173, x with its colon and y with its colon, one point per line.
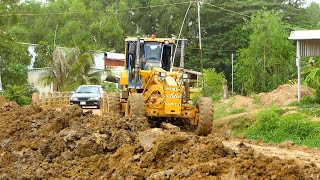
x: 111, y: 10
x: 227, y: 10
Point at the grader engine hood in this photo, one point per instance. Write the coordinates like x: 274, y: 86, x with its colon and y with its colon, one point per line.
x: 173, y: 96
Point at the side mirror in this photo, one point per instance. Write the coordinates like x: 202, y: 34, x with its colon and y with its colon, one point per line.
x: 132, y: 49
x: 72, y: 92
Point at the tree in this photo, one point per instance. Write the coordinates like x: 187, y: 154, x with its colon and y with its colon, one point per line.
x: 269, y: 60
x: 14, y: 59
x: 71, y: 70
x: 44, y: 54
x: 214, y: 83
x: 309, y: 18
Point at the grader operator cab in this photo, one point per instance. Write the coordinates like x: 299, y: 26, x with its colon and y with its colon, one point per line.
x: 150, y: 87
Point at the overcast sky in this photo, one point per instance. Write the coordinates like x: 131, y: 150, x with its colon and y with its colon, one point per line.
x: 317, y: 1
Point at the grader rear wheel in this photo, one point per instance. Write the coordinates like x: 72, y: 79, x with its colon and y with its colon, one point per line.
x: 205, y: 116
x: 113, y: 102
x: 135, y: 105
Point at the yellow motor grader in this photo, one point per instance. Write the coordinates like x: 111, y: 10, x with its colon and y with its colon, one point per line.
x: 149, y: 86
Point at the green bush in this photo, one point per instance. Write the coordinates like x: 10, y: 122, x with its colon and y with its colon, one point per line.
x: 20, y: 94
x: 273, y: 125
x: 308, y: 105
x: 214, y: 82
x: 110, y: 87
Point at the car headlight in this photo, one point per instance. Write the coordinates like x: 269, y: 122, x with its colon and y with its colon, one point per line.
x: 184, y: 76
x: 94, y: 98
x: 162, y: 74
x: 73, y: 99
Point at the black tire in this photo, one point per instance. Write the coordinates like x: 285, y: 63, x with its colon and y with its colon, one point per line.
x: 135, y: 106
x: 113, y: 102
x: 98, y: 106
x: 204, y: 126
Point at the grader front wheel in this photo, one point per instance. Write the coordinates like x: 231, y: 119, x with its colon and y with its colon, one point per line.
x: 113, y: 102
x: 135, y: 106
x: 205, y: 106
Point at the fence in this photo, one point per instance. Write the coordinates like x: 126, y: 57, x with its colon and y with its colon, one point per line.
x: 51, y: 99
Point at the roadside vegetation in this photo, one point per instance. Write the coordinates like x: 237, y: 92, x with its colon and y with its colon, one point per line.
x: 277, y: 124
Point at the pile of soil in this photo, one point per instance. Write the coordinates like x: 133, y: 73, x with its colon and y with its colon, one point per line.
x: 237, y: 102
x: 43, y: 144
x: 284, y: 95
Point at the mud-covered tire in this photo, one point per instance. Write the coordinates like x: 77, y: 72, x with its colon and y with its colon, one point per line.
x: 135, y: 106
x: 113, y: 102
x: 205, y: 107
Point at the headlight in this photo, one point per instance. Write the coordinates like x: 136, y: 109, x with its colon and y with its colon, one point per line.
x: 74, y: 99
x: 94, y: 98
x: 162, y: 74
x: 184, y: 76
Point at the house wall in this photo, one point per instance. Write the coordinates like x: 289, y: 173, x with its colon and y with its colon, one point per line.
x: 34, y: 78
x: 99, y: 60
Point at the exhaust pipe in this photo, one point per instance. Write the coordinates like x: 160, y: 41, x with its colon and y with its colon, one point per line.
x: 183, y: 44
x: 137, y: 63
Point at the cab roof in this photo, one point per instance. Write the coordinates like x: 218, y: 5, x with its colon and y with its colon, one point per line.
x: 146, y: 39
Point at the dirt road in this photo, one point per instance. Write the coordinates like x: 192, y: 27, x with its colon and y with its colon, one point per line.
x: 301, y: 156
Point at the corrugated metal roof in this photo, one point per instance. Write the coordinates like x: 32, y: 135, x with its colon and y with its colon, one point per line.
x: 305, y: 35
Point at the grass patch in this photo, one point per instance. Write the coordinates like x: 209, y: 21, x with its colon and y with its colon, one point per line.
x: 272, y: 125
x: 256, y: 100
x: 223, y: 111
x: 308, y: 105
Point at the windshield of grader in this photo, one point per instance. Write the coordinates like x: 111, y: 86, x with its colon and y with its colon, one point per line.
x: 153, y: 51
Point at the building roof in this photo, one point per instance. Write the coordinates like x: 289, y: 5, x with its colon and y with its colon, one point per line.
x: 305, y: 35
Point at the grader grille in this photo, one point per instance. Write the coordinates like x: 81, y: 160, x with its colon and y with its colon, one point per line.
x: 173, y: 100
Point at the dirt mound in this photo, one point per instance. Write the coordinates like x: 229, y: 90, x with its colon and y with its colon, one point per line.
x: 178, y: 155
x: 2, y: 100
x: 48, y: 144
x: 238, y: 102
x: 41, y: 144
x: 284, y: 95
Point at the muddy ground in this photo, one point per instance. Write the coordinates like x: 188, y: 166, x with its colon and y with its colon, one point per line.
x: 72, y: 144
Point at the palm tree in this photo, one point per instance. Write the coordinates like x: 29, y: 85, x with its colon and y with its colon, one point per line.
x: 71, y: 69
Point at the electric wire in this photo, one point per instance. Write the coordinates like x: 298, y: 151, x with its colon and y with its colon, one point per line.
x: 177, y: 44
x: 227, y: 10
x: 111, y: 10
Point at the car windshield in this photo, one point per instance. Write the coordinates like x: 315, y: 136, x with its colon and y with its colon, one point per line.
x: 153, y: 51
x: 88, y: 89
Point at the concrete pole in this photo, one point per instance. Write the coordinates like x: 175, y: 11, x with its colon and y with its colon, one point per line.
x: 232, y: 74
x: 200, y: 47
x: 299, y: 70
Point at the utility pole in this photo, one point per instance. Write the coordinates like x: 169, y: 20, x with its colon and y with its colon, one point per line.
x: 0, y: 84
x: 232, y: 74
x: 200, y: 46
